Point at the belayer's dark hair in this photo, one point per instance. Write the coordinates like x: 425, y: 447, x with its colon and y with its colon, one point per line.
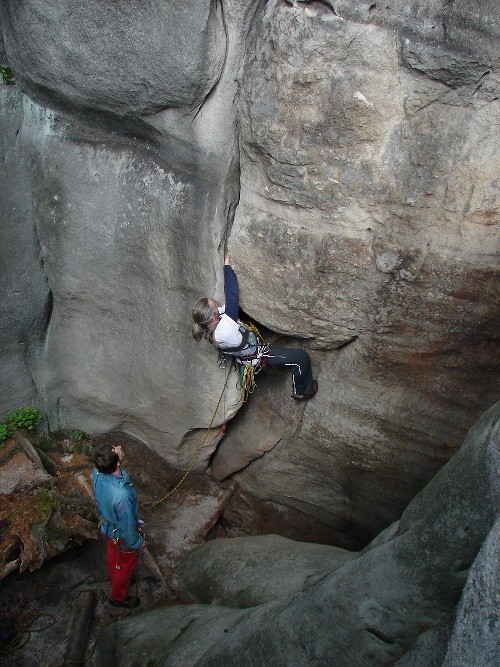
x: 105, y: 459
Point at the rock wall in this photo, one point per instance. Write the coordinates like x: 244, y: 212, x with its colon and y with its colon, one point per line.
x: 346, y: 152
x: 367, y: 227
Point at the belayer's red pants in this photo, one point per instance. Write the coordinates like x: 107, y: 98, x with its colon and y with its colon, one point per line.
x: 121, y: 565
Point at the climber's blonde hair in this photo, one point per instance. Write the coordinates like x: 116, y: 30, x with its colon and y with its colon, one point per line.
x: 203, y: 314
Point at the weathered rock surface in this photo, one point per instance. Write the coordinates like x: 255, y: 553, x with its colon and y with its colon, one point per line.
x: 476, y: 636
x: 157, y: 55
x: 242, y: 445
x: 206, y: 576
x: 25, y: 295
x: 347, y: 151
x: 368, y: 227
x: 380, y: 602
x: 245, y: 514
x: 145, y: 264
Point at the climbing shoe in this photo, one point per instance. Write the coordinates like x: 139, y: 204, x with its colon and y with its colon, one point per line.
x: 304, y: 397
x: 129, y: 602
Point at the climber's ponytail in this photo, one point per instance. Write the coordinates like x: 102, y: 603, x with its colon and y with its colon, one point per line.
x: 203, y: 314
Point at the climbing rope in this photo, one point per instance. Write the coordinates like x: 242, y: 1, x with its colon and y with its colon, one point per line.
x: 246, y: 382
x: 253, y: 327
x: 197, y: 453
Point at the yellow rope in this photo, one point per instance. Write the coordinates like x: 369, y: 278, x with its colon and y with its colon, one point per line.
x: 253, y: 327
x: 246, y: 382
x: 197, y: 453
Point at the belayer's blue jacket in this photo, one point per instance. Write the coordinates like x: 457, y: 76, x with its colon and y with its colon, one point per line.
x: 118, y: 507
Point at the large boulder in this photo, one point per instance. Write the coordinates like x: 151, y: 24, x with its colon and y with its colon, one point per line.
x: 367, y: 610
x: 127, y: 58
x: 206, y: 577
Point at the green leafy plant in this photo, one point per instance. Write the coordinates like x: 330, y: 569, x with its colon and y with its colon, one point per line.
x: 78, y: 435
x: 4, y: 434
x: 24, y: 418
x: 6, y: 75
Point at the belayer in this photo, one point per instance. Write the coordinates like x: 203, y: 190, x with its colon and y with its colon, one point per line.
x: 221, y: 326
x: 119, y: 521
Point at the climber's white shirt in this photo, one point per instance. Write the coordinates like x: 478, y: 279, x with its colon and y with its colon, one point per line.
x: 227, y: 332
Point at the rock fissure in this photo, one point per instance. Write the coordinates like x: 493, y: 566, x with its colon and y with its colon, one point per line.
x: 381, y: 636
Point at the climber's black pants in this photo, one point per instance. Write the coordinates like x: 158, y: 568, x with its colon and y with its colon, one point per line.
x: 298, y: 361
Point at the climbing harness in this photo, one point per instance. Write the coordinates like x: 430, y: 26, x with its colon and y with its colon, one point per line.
x: 249, y: 357
x: 198, y: 451
x: 250, y: 365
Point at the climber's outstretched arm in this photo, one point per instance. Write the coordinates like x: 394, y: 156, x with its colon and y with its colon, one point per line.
x: 231, y: 291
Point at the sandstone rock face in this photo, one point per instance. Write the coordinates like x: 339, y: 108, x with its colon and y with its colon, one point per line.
x: 367, y: 227
x: 103, y: 263
x: 381, y: 603
x: 26, y: 300
x: 347, y: 154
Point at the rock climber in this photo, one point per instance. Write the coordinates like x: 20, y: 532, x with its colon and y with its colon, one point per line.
x: 118, y: 521
x: 221, y: 326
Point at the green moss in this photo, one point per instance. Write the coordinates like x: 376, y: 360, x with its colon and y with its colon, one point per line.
x: 46, y: 500
x: 6, y: 75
